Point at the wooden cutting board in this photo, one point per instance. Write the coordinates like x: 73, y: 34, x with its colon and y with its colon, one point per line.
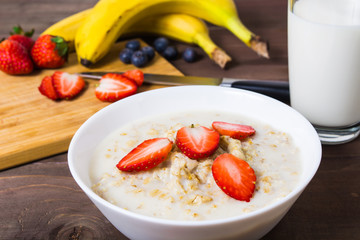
x: 33, y: 126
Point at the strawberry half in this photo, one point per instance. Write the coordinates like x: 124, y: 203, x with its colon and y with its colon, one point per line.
x: 136, y: 75
x: 47, y: 89
x: 233, y: 130
x: 197, y: 142
x: 234, y: 176
x: 145, y: 156
x: 114, y: 87
x: 67, y: 85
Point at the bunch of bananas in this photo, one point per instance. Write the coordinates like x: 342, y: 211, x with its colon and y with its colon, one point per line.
x: 92, y: 32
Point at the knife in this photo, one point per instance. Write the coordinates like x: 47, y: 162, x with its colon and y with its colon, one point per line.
x: 275, y: 89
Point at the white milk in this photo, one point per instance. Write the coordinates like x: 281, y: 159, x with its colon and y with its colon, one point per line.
x: 324, y: 61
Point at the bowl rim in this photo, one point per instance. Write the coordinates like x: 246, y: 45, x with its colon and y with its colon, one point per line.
x: 193, y: 223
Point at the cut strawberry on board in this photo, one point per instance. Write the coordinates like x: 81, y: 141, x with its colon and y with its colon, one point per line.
x: 234, y: 176
x: 47, y: 89
x: 237, y: 131
x: 114, y: 87
x: 136, y: 75
x: 145, y: 156
x: 197, y: 142
x: 67, y: 85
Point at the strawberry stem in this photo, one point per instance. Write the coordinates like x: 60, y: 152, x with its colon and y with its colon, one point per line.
x: 61, y: 45
x: 18, y: 30
x: 29, y: 34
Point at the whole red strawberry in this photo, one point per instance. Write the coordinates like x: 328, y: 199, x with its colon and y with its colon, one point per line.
x: 24, y: 38
x: 49, y: 51
x: 14, y: 58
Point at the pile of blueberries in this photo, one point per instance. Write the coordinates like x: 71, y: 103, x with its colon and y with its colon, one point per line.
x: 139, y: 56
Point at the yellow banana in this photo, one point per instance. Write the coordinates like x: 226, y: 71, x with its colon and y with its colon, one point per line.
x: 180, y: 27
x: 67, y: 27
x: 109, y: 19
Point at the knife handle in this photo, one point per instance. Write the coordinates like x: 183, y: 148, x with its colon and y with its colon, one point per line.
x: 275, y: 89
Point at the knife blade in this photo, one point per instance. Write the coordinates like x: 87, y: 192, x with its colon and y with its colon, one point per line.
x: 275, y: 89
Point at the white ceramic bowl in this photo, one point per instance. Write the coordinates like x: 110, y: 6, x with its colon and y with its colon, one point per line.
x: 249, y: 226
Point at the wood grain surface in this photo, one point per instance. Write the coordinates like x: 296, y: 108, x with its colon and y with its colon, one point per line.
x: 40, y: 200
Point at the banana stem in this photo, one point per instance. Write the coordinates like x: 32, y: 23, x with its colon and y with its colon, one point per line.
x: 250, y: 39
x: 259, y: 46
x: 220, y: 57
x: 214, y: 52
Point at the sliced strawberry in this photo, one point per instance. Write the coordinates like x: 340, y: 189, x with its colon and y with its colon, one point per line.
x: 145, y: 156
x: 234, y: 176
x: 47, y: 89
x: 67, y: 85
x: 197, y: 142
x: 233, y: 130
x: 114, y: 87
x: 136, y: 75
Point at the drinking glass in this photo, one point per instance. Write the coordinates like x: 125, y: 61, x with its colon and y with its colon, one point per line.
x: 324, y: 66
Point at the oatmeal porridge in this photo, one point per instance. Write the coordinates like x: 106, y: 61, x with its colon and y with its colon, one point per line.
x: 184, y: 189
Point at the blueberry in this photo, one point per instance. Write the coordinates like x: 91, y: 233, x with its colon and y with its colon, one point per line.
x: 149, y: 51
x: 139, y: 59
x: 170, y: 53
x: 125, y: 55
x: 189, y: 55
x: 133, y: 45
x: 161, y: 44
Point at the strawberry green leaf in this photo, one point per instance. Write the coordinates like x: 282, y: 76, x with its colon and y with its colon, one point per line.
x: 61, y: 45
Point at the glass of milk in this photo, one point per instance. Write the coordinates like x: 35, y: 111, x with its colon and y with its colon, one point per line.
x: 324, y: 65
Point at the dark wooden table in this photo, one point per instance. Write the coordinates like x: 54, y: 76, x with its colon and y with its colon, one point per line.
x: 40, y: 200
